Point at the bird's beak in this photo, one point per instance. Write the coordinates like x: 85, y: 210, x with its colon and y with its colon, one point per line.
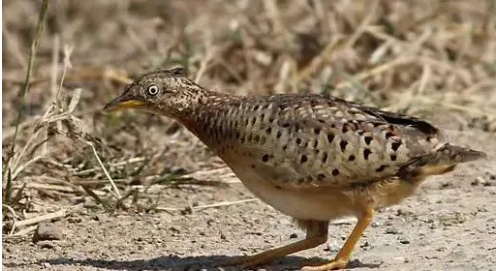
x: 123, y: 102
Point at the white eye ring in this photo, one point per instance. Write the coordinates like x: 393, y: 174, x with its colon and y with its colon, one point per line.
x: 153, y: 90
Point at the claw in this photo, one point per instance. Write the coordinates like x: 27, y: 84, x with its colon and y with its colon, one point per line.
x: 247, y: 261
x: 334, y: 264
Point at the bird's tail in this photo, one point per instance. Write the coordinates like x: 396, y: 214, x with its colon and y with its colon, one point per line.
x: 442, y: 160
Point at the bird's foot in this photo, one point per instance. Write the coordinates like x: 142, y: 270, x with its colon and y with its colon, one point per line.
x: 332, y: 265
x: 249, y: 261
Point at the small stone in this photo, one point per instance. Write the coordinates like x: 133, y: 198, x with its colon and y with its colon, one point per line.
x: 46, y: 244
x: 174, y: 229
x: 333, y: 246
x: 476, y: 182
x: 48, y: 231
x: 392, y: 231
x: 376, y: 224
x: 223, y: 236
x: 187, y: 210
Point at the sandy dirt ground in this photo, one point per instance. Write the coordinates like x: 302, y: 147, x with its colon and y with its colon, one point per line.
x: 449, y: 224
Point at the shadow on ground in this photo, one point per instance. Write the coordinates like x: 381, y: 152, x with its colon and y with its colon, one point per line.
x: 174, y: 263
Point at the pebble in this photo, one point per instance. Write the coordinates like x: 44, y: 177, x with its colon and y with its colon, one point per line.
x: 376, y: 224
x: 46, y: 245
x: 404, y: 241
x: 392, y: 230
x: 48, y: 231
x: 333, y: 246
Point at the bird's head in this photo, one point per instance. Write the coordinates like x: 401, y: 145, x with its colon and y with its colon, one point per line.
x: 164, y: 92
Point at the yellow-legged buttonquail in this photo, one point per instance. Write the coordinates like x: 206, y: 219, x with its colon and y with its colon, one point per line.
x: 312, y: 157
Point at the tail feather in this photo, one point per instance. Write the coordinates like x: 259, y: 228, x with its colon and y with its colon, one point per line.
x: 447, y: 154
x: 443, y: 160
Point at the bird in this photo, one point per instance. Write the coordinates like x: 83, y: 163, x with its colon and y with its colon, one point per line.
x: 313, y: 157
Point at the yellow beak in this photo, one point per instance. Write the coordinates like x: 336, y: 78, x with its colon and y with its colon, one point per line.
x: 119, y: 104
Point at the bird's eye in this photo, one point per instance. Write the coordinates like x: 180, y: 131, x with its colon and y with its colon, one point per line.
x: 153, y: 90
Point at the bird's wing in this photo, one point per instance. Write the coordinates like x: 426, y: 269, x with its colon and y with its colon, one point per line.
x: 324, y: 141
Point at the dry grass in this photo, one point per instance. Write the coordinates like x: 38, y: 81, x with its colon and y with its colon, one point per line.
x: 420, y: 57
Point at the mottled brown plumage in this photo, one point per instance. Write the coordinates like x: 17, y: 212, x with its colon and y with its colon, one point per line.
x: 313, y: 157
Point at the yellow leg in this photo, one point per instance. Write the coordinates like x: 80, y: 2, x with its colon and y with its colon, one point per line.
x: 316, y: 235
x: 341, y: 260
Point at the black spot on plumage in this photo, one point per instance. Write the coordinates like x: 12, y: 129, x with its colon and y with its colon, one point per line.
x: 366, y: 153
x: 256, y: 107
x: 265, y: 158
x: 279, y: 134
x: 351, y: 158
x: 395, y: 145
x: 335, y: 172
x: 368, y: 139
x: 303, y: 159
x: 316, y: 131
x: 285, y: 125
x: 344, y: 129
x: 321, y: 177
x: 298, y: 141
x: 315, y: 144
x: 268, y: 130
x: 324, y: 158
x: 343, y: 145
x: 389, y: 134
x: 393, y: 157
x: 330, y: 138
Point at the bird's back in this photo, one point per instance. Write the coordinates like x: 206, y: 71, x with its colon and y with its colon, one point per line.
x: 310, y: 140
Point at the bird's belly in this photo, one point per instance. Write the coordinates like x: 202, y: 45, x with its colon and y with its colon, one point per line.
x: 315, y: 204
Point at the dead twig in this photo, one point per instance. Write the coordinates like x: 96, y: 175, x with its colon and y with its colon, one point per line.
x: 224, y: 203
x: 38, y: 219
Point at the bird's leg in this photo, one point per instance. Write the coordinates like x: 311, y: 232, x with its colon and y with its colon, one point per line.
x: 316, y: 235
x: 341, y: 260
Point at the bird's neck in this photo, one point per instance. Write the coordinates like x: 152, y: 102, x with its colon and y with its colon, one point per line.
x: 207, y: 113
